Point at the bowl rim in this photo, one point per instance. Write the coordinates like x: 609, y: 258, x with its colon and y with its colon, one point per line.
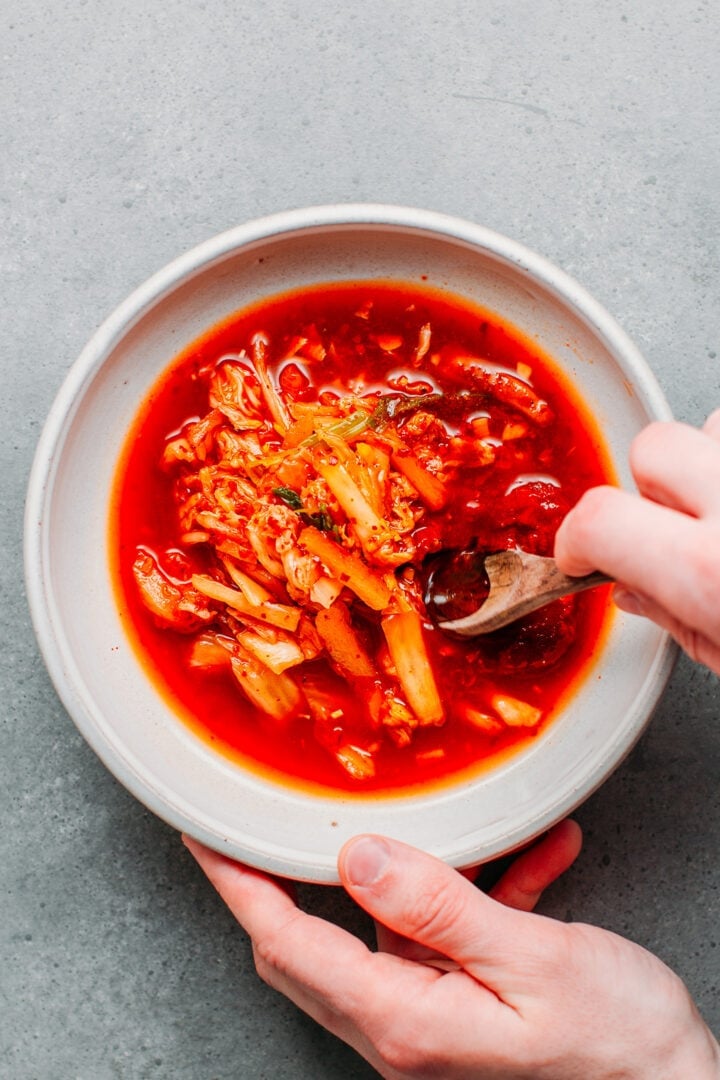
x: 182, y: 270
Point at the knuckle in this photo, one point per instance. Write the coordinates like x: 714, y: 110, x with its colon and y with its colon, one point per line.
x: 591, y: 510
x: 439, y: 906
x: 266, y: 951
x: 265, y: 959
x: 648, y: 445
x: 553, y: 957
x: 269, y: 953
x: 651, y: 457
x: 397, y: 1055
x: 558, y: 949
x: 593, y: 503
x: 405, y: 1048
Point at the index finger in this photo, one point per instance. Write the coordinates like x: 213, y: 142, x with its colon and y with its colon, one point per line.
x: 678, y: 466
x: 323, y: 969
x: 660, y: 553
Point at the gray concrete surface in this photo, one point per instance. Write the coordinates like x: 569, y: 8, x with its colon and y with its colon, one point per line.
x: 128, y: 133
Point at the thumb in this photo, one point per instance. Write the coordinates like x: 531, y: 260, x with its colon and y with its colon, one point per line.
x: 419, y: 897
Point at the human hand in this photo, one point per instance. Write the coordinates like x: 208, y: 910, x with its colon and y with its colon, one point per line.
x: 516, y: 996
x: 661, y: 545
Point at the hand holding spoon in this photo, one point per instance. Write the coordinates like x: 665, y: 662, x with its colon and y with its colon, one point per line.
x: 469, y: 593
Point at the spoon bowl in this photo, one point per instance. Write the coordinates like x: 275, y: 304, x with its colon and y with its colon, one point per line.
x: 470, y: 593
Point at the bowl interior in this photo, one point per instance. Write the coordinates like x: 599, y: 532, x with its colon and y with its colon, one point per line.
x: 81, y: 632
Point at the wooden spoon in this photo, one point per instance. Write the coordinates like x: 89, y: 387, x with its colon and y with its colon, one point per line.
x: 516, y: 583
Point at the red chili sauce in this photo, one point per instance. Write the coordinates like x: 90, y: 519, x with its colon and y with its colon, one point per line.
x: 507, y: 480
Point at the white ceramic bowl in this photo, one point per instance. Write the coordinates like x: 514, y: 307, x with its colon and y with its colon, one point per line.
x: 95, y: 670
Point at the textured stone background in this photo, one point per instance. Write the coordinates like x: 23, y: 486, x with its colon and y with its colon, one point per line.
x: 130, y: 132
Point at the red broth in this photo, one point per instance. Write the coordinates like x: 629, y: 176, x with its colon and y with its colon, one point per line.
x: 489, y: 449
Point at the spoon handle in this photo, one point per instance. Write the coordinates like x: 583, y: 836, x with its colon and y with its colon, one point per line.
x: 519, y: 583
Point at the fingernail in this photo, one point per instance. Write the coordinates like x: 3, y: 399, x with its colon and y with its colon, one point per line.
x: 366, y: 860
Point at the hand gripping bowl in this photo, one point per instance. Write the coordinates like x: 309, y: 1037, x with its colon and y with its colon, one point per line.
x: 96, y: 672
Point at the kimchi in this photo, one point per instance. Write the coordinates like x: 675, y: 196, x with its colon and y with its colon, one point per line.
x: 282, y: 493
